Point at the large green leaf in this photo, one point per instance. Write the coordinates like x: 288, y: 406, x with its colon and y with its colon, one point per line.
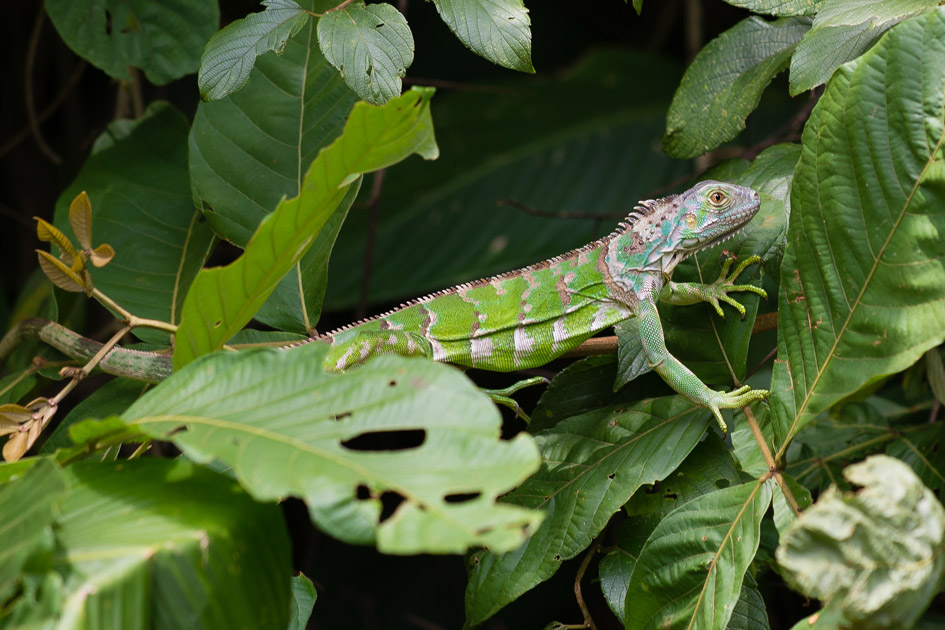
x: 222, y: 300
x: 442, y: 221
x: 617, y: 566
x: 844, y: 30
x: 231, y: 53
x: 393, y: 428
x: 689, y: 573
x: 779, y: 7
x: 112, y: 398
x: 251, y: 149
x: 136, y: 179
x: 371, y: 46
x: 162, y: 37
x: 160, y: 544
x: 27, y: 509
x: 862, y: 284
x: 593, y: 463
x: 725, y: 81
x: 498, y: 30
x: 924, y: 450
x: 876, y: 555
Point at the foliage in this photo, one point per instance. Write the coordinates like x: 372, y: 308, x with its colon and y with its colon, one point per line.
x: 203, y: 225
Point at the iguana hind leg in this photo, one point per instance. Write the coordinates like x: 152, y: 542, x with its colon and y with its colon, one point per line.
x: 504, y: 396
x: 681, y: 378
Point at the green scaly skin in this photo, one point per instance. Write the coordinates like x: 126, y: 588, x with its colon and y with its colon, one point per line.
x: 526, y: 318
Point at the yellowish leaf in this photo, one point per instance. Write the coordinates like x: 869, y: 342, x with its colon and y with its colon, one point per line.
x: 102, y: 255
x: 61, y: 275
x: 49, y: 233
x: 15, y: 447
x: 80, y: 217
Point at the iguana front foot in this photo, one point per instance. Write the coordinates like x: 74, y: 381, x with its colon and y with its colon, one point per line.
x: 504, y: 396
x: 744, y: 395
x: 725, y: 284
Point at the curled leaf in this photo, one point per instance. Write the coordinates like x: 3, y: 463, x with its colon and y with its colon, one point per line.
x: 102, y: 255
x: 80, y: 218
x: 62, y: 276
x: 15, y: 447
x: 12, y: 416
x: 49, y: 233
x: 876, y: 555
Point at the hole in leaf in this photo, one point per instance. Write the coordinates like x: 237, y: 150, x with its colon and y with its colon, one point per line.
x: 392, y: 384
x: 557, y: 558
x: 612, y: 475
x: 722, y: 483
x: 671, y: 495
x: 462, y: 497
x: 653, y: 489
x: 390, y: 501
x: 108, y: 22
x: 386, y: 440
x: 176, y: 430
x: 362, y: 492
x: 218, y: 323
x: 379, y: 25
x: 341, y: 416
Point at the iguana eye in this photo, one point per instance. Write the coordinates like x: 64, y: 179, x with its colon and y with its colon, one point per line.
x: 717, y: 198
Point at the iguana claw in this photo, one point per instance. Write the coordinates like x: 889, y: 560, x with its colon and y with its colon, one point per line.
x: 724, y: 285
x: 735, y: 399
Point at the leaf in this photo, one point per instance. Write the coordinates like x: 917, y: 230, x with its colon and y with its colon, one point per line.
x: 876, y: 555
x: 631, y: 357
x: 289, y: 429
x: 223, y: 299
x: 924, y: 450
x: 231, y: 53
x: 779, y: 7
x: 137, y: 182
x: 63, y: 276
x: 617, y: 566
x: 371, y: 46
x: 725, y: 81
x: 49, y: 233
x: 294, y: 106
x: 102, y: 255
x: 750, y: 612
x: 80, y: 218
x: 783, y: 512
x: 593, y: 463
x: 936, y: 373
x: 162, y: 37
x: 197, y: 540
x: 689, y: 573
x: 27, y: 509
x: 303, y: 600
x: 499, y: 30
x: 876, y: 137
x: 843, y: 31
x: 111, y: 398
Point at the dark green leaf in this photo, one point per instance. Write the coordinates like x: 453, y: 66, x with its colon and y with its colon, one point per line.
x: 779, y: 7
x: 109, y: 399
x: 843, y: 31
x: 724, y: 83
x: 136, y: 535
x: 162, y: 37
x: 231, y: 53
x: 371, y: 46
x: 936, y: 373
x: 876, y: 555
x: 498, y: 30
x: 137, y: 181
x: 593, y: 464
x: 750, y: 612
x: 869, y: 190
x: 222, y: 300
x: 27, y: 509
x: 924, y: 449
x: 404, y: 428
x: 689, y: 573
x: 617, y: 566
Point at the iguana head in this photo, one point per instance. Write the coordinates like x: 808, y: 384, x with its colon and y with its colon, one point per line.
x: 664, y: 231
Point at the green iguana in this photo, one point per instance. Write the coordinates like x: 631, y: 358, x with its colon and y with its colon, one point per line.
x: 526, y: 318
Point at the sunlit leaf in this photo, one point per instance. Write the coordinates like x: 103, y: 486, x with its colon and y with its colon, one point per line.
x: 63, y: 276
x: 80, y: 218
x: 499, y: 30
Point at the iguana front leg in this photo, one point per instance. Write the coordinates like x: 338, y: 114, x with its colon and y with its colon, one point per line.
x: 685, y: 293
x: 678, y: 376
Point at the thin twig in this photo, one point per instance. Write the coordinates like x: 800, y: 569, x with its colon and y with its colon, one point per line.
x: 768, y: 357
x: 28, y: 93
x: 588, y: 620
x: 769, y: 460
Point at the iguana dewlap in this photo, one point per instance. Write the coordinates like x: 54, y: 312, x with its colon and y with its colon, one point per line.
x: 527, y: 317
